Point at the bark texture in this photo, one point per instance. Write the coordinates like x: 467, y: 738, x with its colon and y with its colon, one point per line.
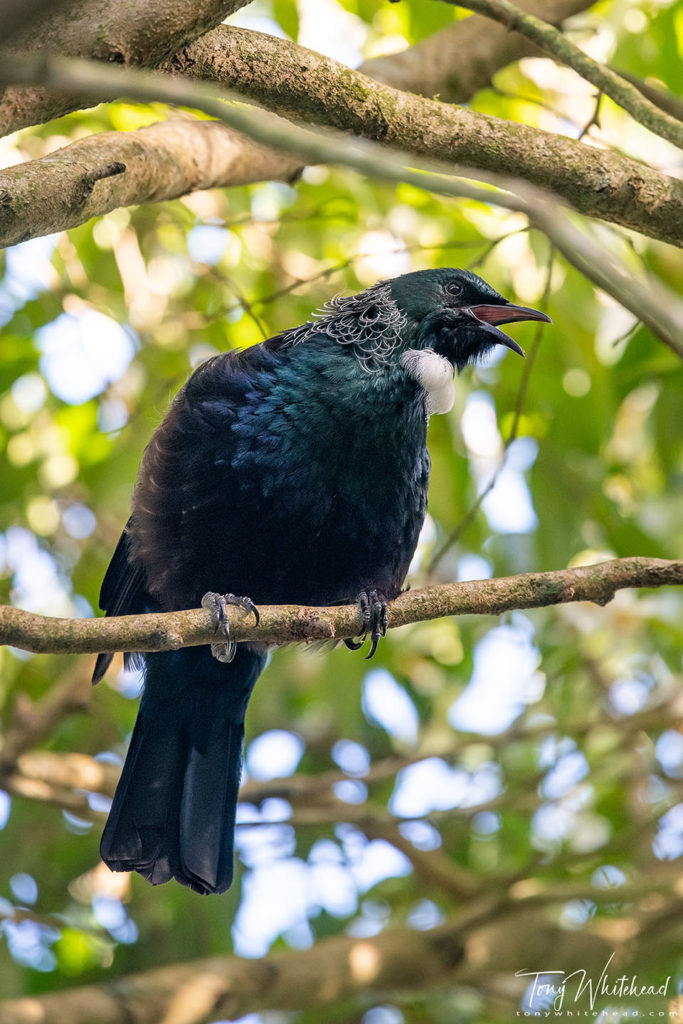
x: 656, y: 306
x: 453, y: 64
x: 293, y: 624
x: 299, y: 83
x: 122, y: 32
x: 290, y: 78
x: 162, y: 161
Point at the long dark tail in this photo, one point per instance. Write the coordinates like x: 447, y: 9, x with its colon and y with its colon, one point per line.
x: 173, y: 814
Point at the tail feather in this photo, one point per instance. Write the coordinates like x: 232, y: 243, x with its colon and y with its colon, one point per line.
x: 145, y: 803
x: 173, y: 814
x: 206, y: 845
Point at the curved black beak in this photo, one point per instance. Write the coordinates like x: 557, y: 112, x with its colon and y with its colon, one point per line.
x: 489, y: 316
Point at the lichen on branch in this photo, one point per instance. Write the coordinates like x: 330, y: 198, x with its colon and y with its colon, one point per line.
x: 135, y: 32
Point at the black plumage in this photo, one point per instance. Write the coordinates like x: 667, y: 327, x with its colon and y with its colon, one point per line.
x: 295, y: 471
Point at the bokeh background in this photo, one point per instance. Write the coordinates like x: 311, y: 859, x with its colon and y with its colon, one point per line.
x: 543, y: 746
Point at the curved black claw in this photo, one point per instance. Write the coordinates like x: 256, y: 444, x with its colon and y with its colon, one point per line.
x: 243, y: 602
x: 354, y: 645
x: 373, y: 610
x: 216, y: 604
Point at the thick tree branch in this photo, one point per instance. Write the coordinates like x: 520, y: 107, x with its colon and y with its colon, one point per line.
x: 159, y: 162
x: 319, y: 810
x: 66, y: 779
x: 324, y: 810
x: 452, y: 64
x: 125, y: 32
x: 563, y: 49
x: 229, y: 987
x: 318, y: 90
x: 17, y: 16
x: 650, y: 302
x: 67, y: 771
x: 31, y: 722
x: 293, y: 624
x: 47, y: 792
x: 597, y: 183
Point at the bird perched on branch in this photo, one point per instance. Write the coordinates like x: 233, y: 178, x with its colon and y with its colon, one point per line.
x: 295, y: 471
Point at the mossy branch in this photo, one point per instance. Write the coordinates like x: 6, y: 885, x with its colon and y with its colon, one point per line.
x: 318, y: 90
x: 652, y: 304
x: 159, y: 162
x: 283, y: 624
x: 315, y: 89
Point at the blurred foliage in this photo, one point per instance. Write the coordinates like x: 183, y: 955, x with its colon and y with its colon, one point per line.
x: 567, y: 791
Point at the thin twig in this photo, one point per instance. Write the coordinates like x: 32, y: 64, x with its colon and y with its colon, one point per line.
x: 242, y: 301
x: 594, y: 118
x: 336, y: 268
x: 556, y: 43
x: 661, y: 97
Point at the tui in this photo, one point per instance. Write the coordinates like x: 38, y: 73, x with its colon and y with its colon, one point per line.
x: 295, y: 471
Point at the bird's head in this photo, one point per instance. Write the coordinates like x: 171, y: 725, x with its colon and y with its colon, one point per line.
x: 456, y: 314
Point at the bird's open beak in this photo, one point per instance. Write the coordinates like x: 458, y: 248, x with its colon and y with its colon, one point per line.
x: 490, y: 316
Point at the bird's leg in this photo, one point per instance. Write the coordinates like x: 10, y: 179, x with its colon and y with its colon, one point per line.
x: 373, y: 609
x: 216, y: 604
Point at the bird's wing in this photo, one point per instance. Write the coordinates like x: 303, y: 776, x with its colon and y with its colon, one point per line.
x: 190, y: 502
x: 122, y: 593
x: 122, y: 590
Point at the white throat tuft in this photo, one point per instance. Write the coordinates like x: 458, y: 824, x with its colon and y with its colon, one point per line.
x: 433, y: 373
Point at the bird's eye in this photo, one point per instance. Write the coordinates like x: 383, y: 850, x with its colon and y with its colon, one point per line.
x: 454, y: 288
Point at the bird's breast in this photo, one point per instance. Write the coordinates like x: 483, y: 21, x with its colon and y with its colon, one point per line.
x: 309, y: 487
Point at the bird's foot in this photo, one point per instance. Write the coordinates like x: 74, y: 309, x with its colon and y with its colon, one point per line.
x: 217, y: 603
x: 373, y: 609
